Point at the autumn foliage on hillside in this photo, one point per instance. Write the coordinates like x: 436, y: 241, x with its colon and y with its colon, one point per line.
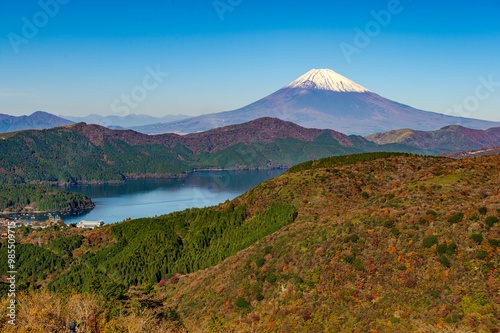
x: 395, y: 243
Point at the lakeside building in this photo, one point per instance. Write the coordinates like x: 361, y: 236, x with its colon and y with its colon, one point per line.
x: 5, y: 223
x: 90, y: 224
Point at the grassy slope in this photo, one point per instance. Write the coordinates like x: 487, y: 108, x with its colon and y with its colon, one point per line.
x: 393, y: 283
x: 354, y: 260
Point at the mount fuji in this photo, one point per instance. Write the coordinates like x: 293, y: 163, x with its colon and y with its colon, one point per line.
x: 322, y: 98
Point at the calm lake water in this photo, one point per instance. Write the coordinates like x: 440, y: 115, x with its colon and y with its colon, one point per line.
x: 147, y: 198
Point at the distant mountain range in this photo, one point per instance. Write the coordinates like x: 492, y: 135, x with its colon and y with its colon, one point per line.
x: 324, y: 99
x: 86, y: 153
x: 473, y: 153
x: 44, y: 120
x: 447, y: 139
x: 37, y: 120
x: 320, y: 98
x: 125, y: 122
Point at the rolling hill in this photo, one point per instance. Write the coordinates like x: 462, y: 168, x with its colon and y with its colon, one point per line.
x: 87, y: 153
x: 361, y: 243
x: 447, y: 139
x: 41, y: 198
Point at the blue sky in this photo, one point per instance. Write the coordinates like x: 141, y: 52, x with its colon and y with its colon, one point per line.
x: 82, y: 57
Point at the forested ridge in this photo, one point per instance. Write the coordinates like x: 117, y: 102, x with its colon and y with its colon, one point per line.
x: 145, y: 250
x: 91, y: 153
x: 361, y: 243
x: 41, y: 198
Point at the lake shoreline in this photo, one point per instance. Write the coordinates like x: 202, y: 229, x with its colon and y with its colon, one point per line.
x: 138, y: 198
x: 148, y: 176
x: 64, y: 211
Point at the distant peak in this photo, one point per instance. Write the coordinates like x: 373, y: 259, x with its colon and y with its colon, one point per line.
x: 326, y: 79
x: 40, y: 112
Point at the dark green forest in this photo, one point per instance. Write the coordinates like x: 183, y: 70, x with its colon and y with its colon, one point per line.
x: 41, y: 198
x: 61, y: 155
x: 67, y: 156
x: 148, y: 250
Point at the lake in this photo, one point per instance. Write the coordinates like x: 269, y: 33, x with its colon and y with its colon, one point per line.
x: 147, y: 198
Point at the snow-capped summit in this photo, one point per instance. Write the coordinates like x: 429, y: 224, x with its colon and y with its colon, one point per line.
x: 326, y: 79
x: 322, y: 98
